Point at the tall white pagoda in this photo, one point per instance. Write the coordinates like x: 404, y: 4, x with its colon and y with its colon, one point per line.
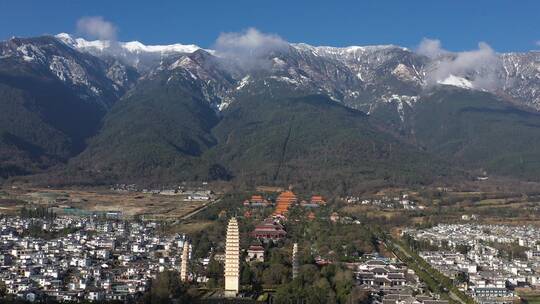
x: 295, y: 260
x: 232, y: 259
x: 184, y: 271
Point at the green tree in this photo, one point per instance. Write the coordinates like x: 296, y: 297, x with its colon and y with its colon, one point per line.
x: 2, y: 289
x: 167, y: 288
x: 358, y: 296
x: 215, y: 273
x: 343, y: 282
x: 461, y: 277
x: 246, y: 275
x: 275, y: 274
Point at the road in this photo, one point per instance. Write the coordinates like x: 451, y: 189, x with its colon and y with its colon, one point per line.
x: 450, y: 292
x: 455, y: 297
x: 195, y: 212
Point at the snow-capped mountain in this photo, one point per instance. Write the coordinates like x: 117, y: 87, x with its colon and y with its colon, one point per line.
x: 358, y: 76
x: 134, y: 53
x: 361, y: 77
x: 386, y: 73
x: 52, y: 99
x: 65, y: 95
x: 93, y: 79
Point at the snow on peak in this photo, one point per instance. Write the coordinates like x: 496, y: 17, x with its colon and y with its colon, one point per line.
x: 457, y: 82
x: 131, y: 46
x: 331, y: 50
x: 136, y: 46
x: 64, y: 37
x: 82, y: 44
x: 134, y: 53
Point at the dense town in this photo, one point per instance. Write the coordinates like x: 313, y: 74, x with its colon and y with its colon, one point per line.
x: 107, y: 257
x: 487, y: 261
x: 102, y: 260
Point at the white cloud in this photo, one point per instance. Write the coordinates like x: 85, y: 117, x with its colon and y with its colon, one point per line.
x: 480, y: 66
x: 431, y: 48
x: 249, y: 41
x: 249, y: 48
x: 97, y: 27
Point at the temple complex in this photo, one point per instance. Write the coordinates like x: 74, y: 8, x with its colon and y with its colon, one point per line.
x: 232, y: 259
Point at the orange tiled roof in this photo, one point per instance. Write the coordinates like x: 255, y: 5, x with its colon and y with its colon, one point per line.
x: 284, y: 201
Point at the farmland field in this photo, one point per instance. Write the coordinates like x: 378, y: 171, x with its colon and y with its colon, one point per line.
x: 84, y: 201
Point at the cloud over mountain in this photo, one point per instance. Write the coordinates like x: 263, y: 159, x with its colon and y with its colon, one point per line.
x: 430, y: 48
x: 249, y: 48
x: 479, y: 66
x: 97, y: 27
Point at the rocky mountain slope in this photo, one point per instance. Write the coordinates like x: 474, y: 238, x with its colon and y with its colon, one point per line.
x: 181, y: 111
x: 52, y: 98
x: 277, y: 138
x: 360, y: 77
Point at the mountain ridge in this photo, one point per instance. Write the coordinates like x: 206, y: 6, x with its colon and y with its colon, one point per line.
x: 380, y: 71
x: 133, y: 97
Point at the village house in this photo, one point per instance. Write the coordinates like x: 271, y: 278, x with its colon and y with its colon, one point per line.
x: 257, y: 201
x: 255, y: 252
x: 315, y: 202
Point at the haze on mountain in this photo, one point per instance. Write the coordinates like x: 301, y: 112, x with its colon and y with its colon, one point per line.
x: 257, y: 109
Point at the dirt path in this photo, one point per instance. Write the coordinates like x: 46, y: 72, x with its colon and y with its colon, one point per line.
x: 195, y: 212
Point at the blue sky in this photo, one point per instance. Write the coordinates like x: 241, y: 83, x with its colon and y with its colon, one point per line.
x: 505, y: 25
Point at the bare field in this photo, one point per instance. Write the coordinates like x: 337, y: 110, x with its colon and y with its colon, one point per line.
x: 370, y: 211
x: 190, y: 228
x: 531, y: 296
x: 74, y: 201
x: 495, y: 208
